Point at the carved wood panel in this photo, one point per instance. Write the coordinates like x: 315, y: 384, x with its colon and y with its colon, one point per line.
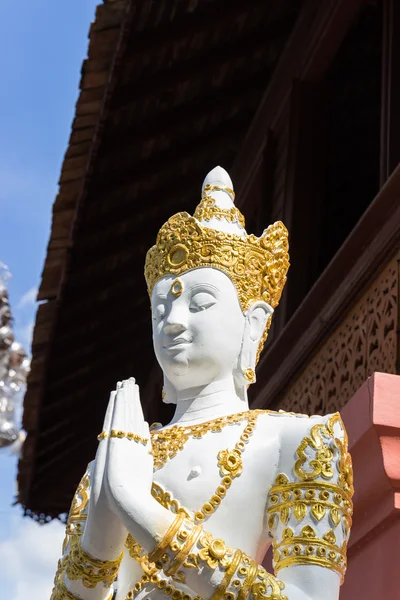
x: 365, y: 341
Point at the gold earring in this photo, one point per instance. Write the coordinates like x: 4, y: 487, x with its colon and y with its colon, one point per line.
x: 163, y: 394
x: 249, y: 374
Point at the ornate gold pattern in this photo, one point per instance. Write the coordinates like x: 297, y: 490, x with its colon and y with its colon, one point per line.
x: 231, y: 466
x: 180, y: 558
x: 80, y: 500
x: 218, y: 188
x: 118, y: 433
x: 235, y: 562
x: 249, y: 375
x: 214, y: 552
x: 207, y: 209
x: 60, y: 591
x: 365, y: 341
x: 323, y: 491
x: 166, y: 443
x: 230, y: 462
x: 80, y: 565
x: 308, y: 548
x: 176, y: 288
x: 167, y: 539
x: 256, y: 266
x: 165, y: 499
x: 154, y: 578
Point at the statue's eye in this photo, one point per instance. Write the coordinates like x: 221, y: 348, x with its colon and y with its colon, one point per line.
x: 201, y: 301
x: 159, y: 311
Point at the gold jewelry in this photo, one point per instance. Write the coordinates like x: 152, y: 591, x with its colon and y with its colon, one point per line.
x: 256, y: 266
x: 231, y: 466
x: 220, y: 591
x: 162, y: 584
x: 307, y: 548
x: 167, y: 539
x: 166, y: 443
x: 80, y: 565
x: 218, y: 188
x: 176, y: 288
x: 117, y: 433
x: 60, y: 592
x: 182, y: 554
x: 249, y: 374
x: 208, y: 209
x: 248, y: 582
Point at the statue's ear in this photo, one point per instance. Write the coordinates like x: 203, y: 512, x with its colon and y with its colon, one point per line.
x: 256, y: 320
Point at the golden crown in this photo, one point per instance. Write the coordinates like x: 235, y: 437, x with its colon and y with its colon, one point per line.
x: 215, y: 237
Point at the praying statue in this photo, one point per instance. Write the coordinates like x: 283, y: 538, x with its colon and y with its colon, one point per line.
x: 189, y: 510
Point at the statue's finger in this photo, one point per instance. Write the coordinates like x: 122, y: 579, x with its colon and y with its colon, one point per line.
x: 109, y: 413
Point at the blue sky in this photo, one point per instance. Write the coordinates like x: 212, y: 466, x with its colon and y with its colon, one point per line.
x: 42, y: 45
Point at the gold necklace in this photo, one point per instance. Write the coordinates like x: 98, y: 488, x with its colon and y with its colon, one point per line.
x: 166, y: 443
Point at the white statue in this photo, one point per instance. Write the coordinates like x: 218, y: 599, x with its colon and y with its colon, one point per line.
x: 189, y: 510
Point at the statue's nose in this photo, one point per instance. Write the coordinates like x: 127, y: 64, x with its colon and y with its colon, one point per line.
x: 174, y: 328
x: 175, y: 322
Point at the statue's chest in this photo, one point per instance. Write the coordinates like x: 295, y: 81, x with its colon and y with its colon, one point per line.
x: 221, y: 475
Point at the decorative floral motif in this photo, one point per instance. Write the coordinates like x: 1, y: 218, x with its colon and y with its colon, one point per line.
x: 214, y: 551
x: 230, y: 462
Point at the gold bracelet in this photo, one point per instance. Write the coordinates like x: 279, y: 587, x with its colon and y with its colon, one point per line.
x: 60, y: 592
x: 220, y: 591
x: 248, y: 582
x: 182, y: 554
x: 117, y: 433
x: 80, y: 565
x: 167, y: 539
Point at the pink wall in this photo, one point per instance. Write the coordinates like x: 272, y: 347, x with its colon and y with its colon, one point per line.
x: 372, y: 419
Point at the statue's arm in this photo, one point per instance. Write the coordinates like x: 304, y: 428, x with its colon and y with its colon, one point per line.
x: 310, y: 508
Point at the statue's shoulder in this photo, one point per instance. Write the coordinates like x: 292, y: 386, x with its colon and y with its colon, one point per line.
x: 293, y: 427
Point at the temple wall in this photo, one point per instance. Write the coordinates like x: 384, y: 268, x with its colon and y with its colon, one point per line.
x: 365, y: 341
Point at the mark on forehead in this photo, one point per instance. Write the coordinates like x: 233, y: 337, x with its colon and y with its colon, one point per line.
x: 176, y: 287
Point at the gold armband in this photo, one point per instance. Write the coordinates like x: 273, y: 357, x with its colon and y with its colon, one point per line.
x: 167, y: 539
x: 183, y: 553
x: 80, y: 565
x: 231, y: 569
x: 248, y: 582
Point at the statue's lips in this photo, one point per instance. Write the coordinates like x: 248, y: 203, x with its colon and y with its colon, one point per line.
x: 177, y: 343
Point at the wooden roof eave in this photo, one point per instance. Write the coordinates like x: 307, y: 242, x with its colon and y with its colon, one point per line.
x: 106, y: 40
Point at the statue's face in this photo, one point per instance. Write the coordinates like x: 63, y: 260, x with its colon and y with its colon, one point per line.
x: 198, y: 327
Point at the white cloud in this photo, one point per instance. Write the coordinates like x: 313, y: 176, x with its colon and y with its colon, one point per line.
x: 28, y: 299
x: 28, y: 558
